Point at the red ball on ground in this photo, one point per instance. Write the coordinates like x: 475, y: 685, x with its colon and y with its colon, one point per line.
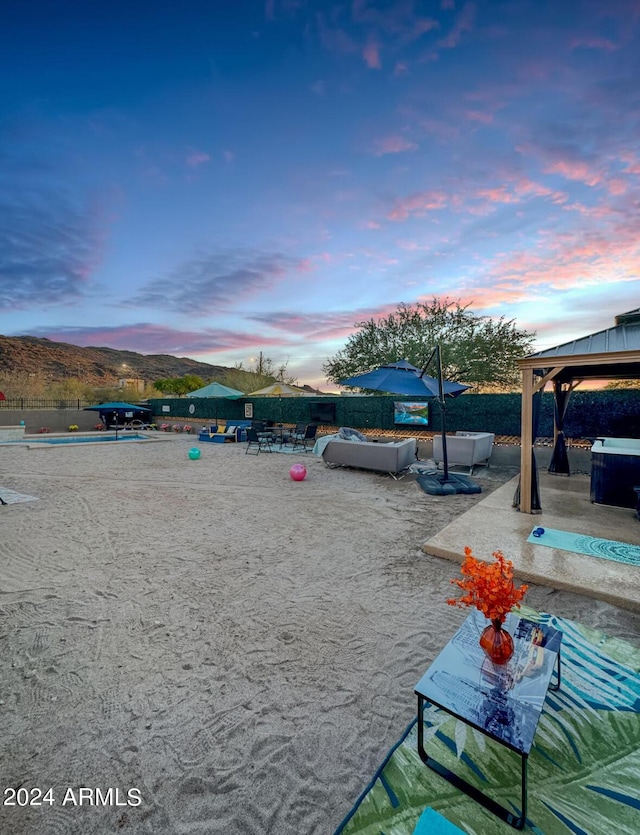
x: 298, y: 472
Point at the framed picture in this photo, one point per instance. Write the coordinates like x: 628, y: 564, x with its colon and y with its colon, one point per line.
x: 248, y: 410
x: 407, y: 412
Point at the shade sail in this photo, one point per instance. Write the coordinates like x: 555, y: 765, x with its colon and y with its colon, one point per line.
x: 401, y: 377
x: 216, y: 390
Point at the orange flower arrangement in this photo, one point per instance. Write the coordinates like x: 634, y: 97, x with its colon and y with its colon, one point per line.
x: 488, y: 586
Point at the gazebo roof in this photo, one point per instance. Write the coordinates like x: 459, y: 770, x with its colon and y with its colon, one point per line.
x: 610, y: 354
x: 614, y: 352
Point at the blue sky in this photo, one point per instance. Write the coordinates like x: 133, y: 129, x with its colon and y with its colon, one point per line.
x: 211, y: 179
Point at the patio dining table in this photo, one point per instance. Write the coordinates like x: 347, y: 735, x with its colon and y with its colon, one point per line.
x: 279, y: 434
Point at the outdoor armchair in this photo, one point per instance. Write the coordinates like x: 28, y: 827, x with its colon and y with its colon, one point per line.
x: 257, y: 441
x: 467, y: 449
x: 303, y: 439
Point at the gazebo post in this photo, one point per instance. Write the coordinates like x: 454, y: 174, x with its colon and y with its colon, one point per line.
x: 526, y: 440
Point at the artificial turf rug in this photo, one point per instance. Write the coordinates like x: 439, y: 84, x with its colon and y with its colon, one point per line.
x: 607, y: 549
x: 583, y: 771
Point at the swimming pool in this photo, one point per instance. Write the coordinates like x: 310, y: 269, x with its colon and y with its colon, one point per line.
x: 78, y: 439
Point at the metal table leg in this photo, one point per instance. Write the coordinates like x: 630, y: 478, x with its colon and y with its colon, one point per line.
x: 517, y: 821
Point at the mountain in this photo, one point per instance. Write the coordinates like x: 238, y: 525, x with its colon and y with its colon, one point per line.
x: 58, y: 361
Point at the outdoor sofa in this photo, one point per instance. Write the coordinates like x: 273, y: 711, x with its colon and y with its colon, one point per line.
x: 466, y: 449
x: 393, y: 457
x: 234, y: 430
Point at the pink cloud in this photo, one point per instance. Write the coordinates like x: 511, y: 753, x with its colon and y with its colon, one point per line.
x: 418, y: 204
x: 574, y: 170
x: 632, y: 163
x: 516, y: 191
x: 617, y: 186
x: 371, y: 55
x: 147, y: 338
x: 526, y: 187
x: 392, y: 145
x: 478, y: 116
x: 197, y: 158
x: 411, y: 246
x: 592, y: 42
x: 398, y: 20
x: 335, y: 39
x: 570, y: 260
x: 317, y: 326
x: 463, y: 24
x: 600, y: 212
x: 497, y: 195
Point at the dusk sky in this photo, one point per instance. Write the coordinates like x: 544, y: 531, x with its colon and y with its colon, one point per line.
x: 211, y: 179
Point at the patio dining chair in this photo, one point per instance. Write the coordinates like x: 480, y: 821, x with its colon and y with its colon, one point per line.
x: 257, y: 442
x: 303, y: 439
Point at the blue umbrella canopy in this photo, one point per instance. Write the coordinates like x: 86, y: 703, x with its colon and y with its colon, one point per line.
x: 216, y: 390
x: 114, y: 413
x: 116, y: 407
x: 401, y: 377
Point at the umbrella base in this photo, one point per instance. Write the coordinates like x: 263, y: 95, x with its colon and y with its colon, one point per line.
x: 437, y: 485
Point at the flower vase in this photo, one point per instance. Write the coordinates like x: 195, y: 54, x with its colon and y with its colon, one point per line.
x: 497, y: 642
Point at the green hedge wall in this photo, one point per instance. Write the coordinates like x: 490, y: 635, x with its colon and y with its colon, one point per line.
x: 614, y: 412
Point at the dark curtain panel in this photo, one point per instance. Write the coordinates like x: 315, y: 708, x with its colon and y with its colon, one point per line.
x: 559, y: 464
x: 536, y: 507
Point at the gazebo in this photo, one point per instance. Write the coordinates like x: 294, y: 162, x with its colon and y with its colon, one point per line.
x: 612, y: 354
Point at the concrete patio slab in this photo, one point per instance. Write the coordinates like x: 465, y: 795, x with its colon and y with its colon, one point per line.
x: 494, y: 524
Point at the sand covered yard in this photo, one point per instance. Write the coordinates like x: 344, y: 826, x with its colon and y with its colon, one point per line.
x: 235, y: 652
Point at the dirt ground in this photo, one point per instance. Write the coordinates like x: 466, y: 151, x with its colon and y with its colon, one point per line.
x: 227, y: 650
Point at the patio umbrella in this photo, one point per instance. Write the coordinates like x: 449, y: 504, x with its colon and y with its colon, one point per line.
x: 401, y: 377
x: 217, y: 390
x: 118, y: 410
x: 280, y: 390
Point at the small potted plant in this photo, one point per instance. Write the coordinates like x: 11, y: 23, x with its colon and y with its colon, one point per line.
x: 164, y: 427
x: 72, y: 427
x: 99, y: 427
x: 187, y: 428
x: 43, y: 430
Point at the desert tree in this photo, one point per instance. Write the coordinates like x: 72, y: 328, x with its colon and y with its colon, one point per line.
x: 478, y: 350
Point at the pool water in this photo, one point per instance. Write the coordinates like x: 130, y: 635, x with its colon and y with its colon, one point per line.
x: 78, y: 440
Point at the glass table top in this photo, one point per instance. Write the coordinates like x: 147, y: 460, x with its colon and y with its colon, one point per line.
x: 503, y: 701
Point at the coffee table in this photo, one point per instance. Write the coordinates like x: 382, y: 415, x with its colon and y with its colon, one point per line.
x: 504, y: 702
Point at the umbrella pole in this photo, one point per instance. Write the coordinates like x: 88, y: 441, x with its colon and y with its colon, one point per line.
x: 443, y: 409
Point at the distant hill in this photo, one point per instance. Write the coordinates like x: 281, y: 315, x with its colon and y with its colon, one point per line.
x: 58, y: 361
